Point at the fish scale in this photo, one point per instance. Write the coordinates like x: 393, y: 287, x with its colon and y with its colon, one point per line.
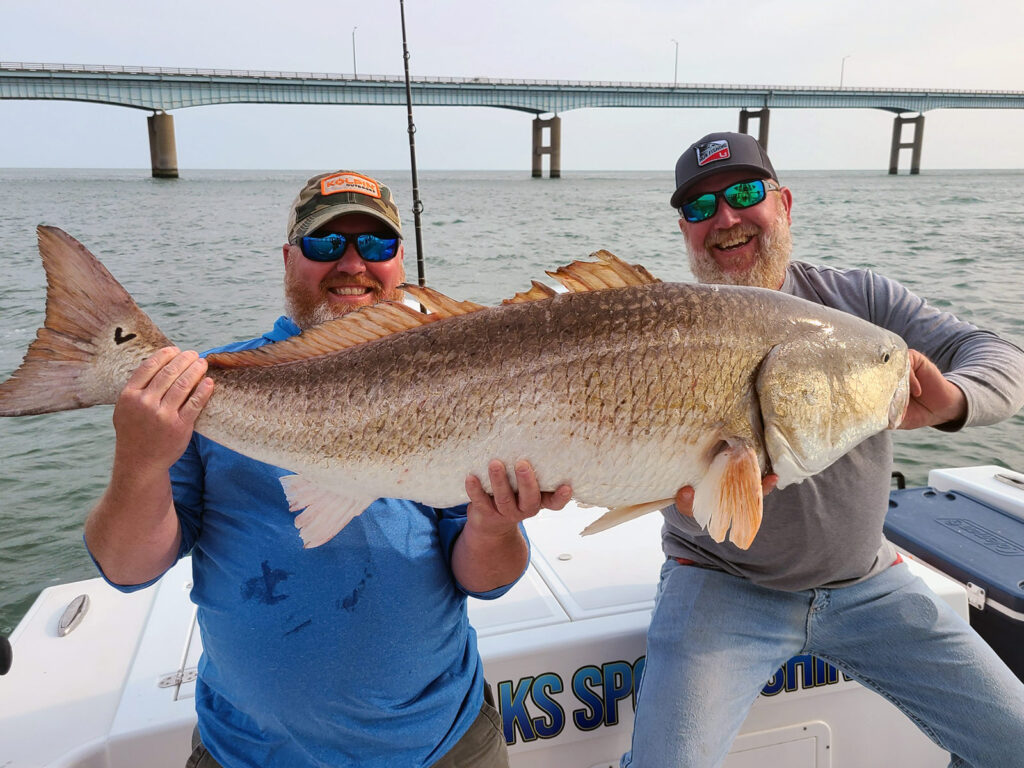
x: 625, y: 392
x: 408, y: 411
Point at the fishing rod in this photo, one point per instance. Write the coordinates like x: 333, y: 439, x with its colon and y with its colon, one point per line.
x: 417, y: 205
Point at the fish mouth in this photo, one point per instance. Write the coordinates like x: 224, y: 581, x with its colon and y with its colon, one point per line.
x: 900, y: 399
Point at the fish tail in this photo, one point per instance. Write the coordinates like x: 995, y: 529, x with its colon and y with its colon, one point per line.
x: 93, y: 337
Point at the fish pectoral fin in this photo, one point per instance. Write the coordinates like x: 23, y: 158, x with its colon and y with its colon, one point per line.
x: 617, y: 515
x: 326, y: 512
x: 729, y: 499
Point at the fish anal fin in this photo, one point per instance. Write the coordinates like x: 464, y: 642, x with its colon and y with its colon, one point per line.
x: 439, y: 304
x: 324, y: 512
x: 367, y: 324
x: 618, y: 515
x: 729, y: 500
x: 609, y: 271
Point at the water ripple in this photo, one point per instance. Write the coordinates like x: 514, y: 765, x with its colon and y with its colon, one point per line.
x: 209, y: 271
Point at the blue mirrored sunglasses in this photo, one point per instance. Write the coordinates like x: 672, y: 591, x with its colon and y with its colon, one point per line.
x: 743, y: 194
x: 332, y: 247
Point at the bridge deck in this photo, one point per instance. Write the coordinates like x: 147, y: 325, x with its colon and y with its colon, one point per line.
x: 163, y: 88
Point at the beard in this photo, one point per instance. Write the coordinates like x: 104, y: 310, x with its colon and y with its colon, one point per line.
x: 769, y: 269
x: 309, y: 307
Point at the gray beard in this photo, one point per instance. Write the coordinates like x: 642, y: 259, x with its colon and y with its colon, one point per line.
x: 305, y: 316
x: 768, y: 271
x: 308, y: 309
x: 303, y: 307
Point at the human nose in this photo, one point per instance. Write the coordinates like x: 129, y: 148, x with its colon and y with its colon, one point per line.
x: 351, y: 262
x: 725, y: 216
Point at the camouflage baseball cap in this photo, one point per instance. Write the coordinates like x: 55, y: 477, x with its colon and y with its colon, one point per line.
x: 329, y: 195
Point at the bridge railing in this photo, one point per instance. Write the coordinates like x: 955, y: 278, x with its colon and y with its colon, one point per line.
x: 264, y: 74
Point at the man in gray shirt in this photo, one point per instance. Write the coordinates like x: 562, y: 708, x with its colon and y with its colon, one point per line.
x: 820, y: 577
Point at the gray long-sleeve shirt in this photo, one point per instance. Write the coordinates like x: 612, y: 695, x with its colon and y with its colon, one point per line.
x: 827, y: 530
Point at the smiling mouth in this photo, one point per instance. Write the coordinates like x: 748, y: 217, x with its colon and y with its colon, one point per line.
x: 350, y: 290
x: 732, y: 243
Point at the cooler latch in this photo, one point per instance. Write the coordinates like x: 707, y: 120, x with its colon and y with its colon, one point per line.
x: 975, y: 596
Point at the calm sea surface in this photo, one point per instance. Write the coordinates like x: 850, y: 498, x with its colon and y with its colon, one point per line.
x: 202, y: 256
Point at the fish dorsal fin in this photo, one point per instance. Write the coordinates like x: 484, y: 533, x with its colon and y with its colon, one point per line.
x: 537, y: 292
x: 608, y: 272
x: 355, y: 328
x: 439, y: 304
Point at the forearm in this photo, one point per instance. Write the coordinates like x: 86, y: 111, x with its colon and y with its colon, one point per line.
x: 133, y: 531
x: 992, y: 378
x: 482, y: 562
x: 988, y: 369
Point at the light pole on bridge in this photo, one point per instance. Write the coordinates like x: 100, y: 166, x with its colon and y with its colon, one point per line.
x: 354, y: 51
x: 842, y: 69
x: 675, y: 71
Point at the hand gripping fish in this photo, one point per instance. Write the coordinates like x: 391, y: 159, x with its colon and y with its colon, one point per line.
x: 624, y: 386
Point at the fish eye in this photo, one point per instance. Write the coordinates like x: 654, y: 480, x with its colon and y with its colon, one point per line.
x: 885, y: 357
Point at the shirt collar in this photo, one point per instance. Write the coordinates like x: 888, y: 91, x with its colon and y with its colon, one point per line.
x: 283, y: 329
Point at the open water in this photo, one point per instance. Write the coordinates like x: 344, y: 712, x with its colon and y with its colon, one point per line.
x: 202, y: 255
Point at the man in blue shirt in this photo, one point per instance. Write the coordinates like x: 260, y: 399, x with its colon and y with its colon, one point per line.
x: 355, y: 653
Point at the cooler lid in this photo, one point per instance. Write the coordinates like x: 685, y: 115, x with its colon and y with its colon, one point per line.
x: 998, y: 486
x: 968, y: 539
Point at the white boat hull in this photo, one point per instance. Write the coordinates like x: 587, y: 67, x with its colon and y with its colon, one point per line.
x: 560, y: 652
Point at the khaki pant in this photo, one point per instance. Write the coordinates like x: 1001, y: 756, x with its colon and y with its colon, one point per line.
x: 482, y: 746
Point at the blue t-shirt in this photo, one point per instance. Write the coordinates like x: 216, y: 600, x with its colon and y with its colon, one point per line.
x: 355, y: 653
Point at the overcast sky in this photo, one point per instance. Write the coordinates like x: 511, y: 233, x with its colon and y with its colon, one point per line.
x: 889, y: 43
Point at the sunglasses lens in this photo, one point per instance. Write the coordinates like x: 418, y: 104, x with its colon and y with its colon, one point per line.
x: 700, y: 208
x: 329, y: 248
x: 744, y: 194
x: 374, y: 248
x: 332, y: 247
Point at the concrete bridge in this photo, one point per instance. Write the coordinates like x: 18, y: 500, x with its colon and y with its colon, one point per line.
x: 160, y: 89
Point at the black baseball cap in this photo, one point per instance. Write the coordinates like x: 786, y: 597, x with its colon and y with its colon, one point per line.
x: 719, y: 152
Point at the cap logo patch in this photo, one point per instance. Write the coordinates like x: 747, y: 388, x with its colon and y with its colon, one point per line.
x: 711, y: 151
x: 349, y: 182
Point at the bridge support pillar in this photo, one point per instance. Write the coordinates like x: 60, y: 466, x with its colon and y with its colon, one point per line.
x: 915, y: 145
x: 162, y: 153
x: 553, y: 147
x: 762, y: 116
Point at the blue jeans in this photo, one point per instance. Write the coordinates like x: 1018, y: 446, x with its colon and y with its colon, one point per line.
x: 715, y: 640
